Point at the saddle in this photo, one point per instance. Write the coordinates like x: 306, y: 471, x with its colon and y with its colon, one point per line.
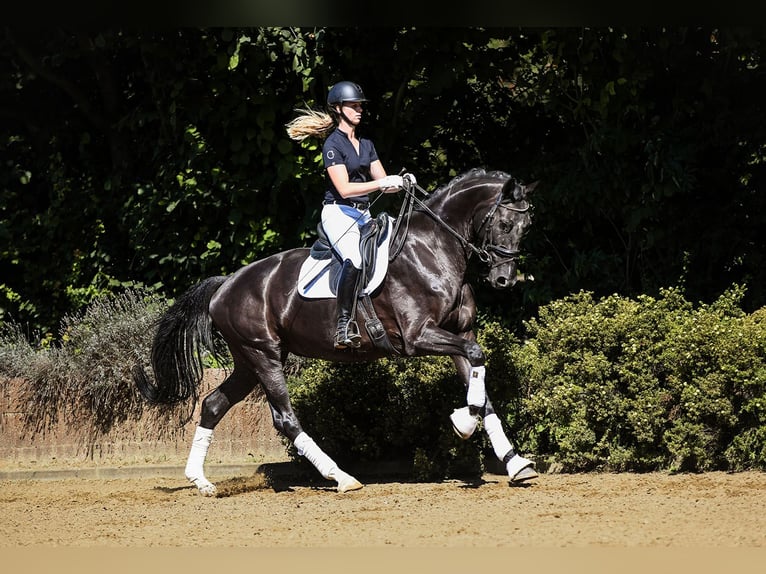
x: 319, y: 273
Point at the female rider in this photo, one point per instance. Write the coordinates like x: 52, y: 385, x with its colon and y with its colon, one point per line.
x: 353, y: 171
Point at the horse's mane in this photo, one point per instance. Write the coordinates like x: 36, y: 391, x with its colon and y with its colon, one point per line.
x: 476, y: 173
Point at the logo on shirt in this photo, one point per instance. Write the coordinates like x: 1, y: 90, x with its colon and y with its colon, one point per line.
x: 331, y: 154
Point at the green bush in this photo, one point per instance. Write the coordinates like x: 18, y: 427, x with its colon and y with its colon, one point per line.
x: 614, y: 384
x: 646, y: 384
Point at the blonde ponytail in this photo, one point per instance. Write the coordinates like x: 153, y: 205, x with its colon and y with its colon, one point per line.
x: 310, y: 123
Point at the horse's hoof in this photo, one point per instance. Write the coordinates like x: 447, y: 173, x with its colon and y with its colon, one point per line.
x: 208, y: 490
x: 520, y: 470
x: 350, y: 485
x: 463, y: 422
x: 204, y: 486
x: 527, y: 473
x: 346, y: 482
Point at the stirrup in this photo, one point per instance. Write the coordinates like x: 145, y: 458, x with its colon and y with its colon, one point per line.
x: 348, y: 336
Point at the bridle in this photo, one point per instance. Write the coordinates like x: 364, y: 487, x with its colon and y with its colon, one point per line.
x: 487, y: 247
x: 503, y: 254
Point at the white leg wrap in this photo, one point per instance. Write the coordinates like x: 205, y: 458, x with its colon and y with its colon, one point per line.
x: 195, y: 463
x: 500, y: 443
x: 324, y: 464
x: 308, y: 448
x: 477, y: 394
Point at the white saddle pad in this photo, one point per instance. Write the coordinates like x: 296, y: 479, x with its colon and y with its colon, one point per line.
x: 314, y: 276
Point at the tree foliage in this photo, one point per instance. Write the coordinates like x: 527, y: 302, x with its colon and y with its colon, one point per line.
x: 157, y: 158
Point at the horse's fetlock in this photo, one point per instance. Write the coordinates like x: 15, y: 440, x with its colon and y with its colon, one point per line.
x: 475, y: 355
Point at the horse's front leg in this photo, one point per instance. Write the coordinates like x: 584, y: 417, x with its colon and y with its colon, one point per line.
x: 465, y: 420
x: 469, y: 360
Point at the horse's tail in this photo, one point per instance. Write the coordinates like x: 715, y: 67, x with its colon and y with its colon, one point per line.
x: 182, y: 333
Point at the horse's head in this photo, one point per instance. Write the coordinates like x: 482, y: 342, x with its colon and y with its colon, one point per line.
x: 501, y: 231
x: 489, y: 213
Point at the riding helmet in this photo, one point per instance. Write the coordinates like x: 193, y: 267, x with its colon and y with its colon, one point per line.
x: 345, y: 92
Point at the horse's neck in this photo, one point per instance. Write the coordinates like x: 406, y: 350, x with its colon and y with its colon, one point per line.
x: 457, y: 209
x: 428, y: 240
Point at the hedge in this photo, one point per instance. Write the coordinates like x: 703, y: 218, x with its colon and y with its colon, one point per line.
x: 609, y: 384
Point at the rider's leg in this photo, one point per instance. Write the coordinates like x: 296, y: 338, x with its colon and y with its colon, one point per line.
x: 347, y: 333
x: 341, y: 224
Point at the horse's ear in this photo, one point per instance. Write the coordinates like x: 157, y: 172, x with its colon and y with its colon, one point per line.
x: 517, y: 191
x: 520, y: 191
x: 530, y: 187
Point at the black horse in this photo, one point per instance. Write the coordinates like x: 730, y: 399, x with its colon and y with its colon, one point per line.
x: 424, y: 304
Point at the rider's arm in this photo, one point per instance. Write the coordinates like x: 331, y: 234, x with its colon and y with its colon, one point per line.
x: 339, y: 176
x: 388, y: 184
x: 376, y: 170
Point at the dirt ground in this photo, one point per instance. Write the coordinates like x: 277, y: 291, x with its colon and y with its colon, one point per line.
x: 712, y: 510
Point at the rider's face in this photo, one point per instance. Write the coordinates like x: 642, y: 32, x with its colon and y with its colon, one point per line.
x: 353, y: 111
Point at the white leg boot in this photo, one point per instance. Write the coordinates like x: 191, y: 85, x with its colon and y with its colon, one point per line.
x: 196, y: 461
x: 519, y: 468
x: 463, y: 422
x: 324, y: 464
x: 477, y: 392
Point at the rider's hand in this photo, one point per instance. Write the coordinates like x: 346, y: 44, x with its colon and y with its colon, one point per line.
x: 409, y: 181
x: 391, y: 183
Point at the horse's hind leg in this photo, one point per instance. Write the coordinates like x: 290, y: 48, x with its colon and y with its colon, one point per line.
x: 519, y: 468
x: 235, y: 388
x: 272, y: 379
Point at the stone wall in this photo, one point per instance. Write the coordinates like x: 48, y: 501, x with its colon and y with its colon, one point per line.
x: 244, y: 435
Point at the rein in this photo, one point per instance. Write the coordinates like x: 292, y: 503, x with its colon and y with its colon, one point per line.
x: 481, y: 252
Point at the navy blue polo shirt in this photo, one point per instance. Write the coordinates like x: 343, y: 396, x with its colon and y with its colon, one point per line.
x: 338, y: 150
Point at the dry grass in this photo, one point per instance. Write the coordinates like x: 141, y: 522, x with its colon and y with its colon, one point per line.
x: 85, y: 379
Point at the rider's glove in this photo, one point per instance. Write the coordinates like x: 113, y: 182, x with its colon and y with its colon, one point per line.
x: 391, y: 182
x: 409, y: 181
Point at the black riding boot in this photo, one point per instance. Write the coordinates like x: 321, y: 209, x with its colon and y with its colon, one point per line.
x: 347, y: 334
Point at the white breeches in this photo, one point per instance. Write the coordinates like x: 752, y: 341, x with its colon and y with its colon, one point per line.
x: 341, y: 224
